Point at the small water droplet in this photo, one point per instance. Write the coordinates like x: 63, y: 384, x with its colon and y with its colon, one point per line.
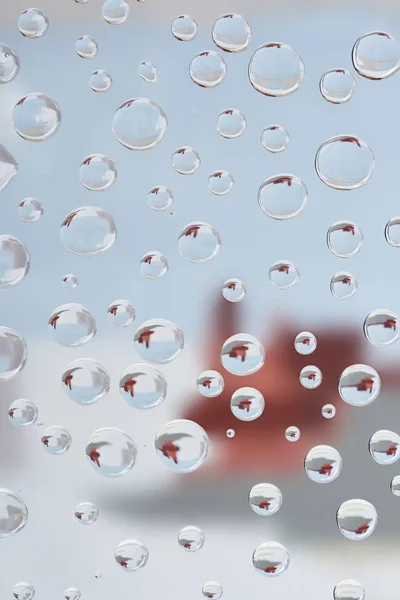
x: 207, y: 69
x: 210, y: 384
x: 230, y: 433
x: 343, y: 285
x: 160, y: 198
x: 39, y: 423
x: 22, y: 413
x: 142, y: 386
x: 348, y: 589
x: 86, y: 513
x: 337, y: 86
x: 72, y: 325
x: 276, y: 70
x: 376, y: 55
x: 98, y: 575
x: 283, y: 274
x: 36, y: 117
x: 310, y: 377
x: 275, y: 138
x: 212, y: 590
x: 88, y: 230
x: 8, y: 167
x: 191, y: 538
x: 356, y: 519
x: 344, y: 162
x: 13, y: 352
x: 111, y: 452
x: 100, y: 81
x: 154, y: 265
x: 247, y: 404
x: 72, y: 594
x: 305, y: 343
x: 23, y: 591
x: 86, y: 47
x: 30, y: 210
x: 231, y: 33
x: 184, y: 28
x: 9, y: 64
x: 159, y: 341
x: 115, y: 12
x: 384, y: 447
x: 139, y: 124
x: 328, y: 411
x: 323, y: 464
x: 265, y: 499
x: 344, y: 239
x: 282, y: 196
x: 242, y: 354
x: 56, y: 440
x: 81, y: 1
x: 85, y: 381
x: 392, y: 232
x: 231, y: 123
x: 33, y: 23
x: 220, y: 183
x: 121, y: 313
x: 382, y: 327
x: 97, y: 172
x: 292, y: 433
x: 271, y: 559
x: 395, y: 485
x: 185, y: 160
x: 70, y: 281
x: 199, y: 242
x: 14, y: 261
x: 359, y: 385
x: 148, y: 72
x: 182, y: 445
x: 131, y: 555
x: 234, y: 290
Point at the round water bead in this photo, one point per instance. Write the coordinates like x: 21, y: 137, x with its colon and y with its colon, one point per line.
x: 13, y: 513
x: 328, y: 411
x: 9, y: 64
x: 247, y: 404
x: 220, y: 183
x: 234, y: 290
x: 30, y: 210
x: 86, y: 513
x: 14, y: 261
x: 13, y: 353
x: 8, y: 167
x: 72, y: 593
x: 158, y: 340
x: 100, y: 81
x: 86, y: 46
x: 210, y: 384
x: 23, y: 591
x: 160, y: 198
x: 392, y: 232
x: 81, y: 1
x: 212, y: 590
x: 154, y: 265
x: 22, y: 413
x: 265, y: 499
x: 344, y: 239
x: 72, y: 325
x: 337, y: 86
x: 115, y: 12
x: 343, y: 285
x: 98, y: 575
x: 275, y: 138
x: 191, y: 538
x: 131, y: 555
x: 88, y: 230
x: 305, y: 343
x: 148, y: 72
x: 231, y: 33
x: 56, y: 440
x: 384, y: 447
x: 242, y: 354
x: 323, y: 464
x: 111, y: 452
x: 85, y: 381
x: 185, y: 160
x: 344, y: 162
x: 395, y: 485
x: 292, y: 433
x: 199, y: 242
x: 282, y: 196
x: 356, y: 519
x: 231, y: 123
x: 139, y: 124
x: 184, y: 28
x: 376, y: 55
x: 271, y: 559
x: 36, y: 117
x: 70, y: 281
x: 230, y: 433
x: 121, y: 313
x: 182, y: 445
x: 382, y: 327
x: 359, y: 385
x: 348, y: 589
x: 33, y: 23
x: 276, y: 70
x: 97, y: 172
x: 207, y: 69
x: 310, y: 377
x: 283, y: 274
x: 142, y: 386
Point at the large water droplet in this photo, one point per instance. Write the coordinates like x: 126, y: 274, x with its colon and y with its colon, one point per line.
x: 348, y: 589
x: 72, y: 325
x: 210, y: 384
x: 191, y: 538
x: 242, y: 354
x: 85, y: 381
x: 56, y: 440
x: 247, y: 404
x: 323, y: 464
x: 148, y: 72
x: 282, y: 196
x: 231, y: 123
x: 115, y: 12
x: 356, y: 519
x: 199, y: 242
x: 97, y: 172
x: 392, y: 232
x: 111, y: 452
x: 121, y: 313
x: 231, y: 33
x: 22, y: 413
x: 220, y: 183
x: 139, y: 124
x: 72, y: 593
x: 14, y: 261
x: 36, y: 117
x: 184, y: 28
x: 207, y: 69
x: 86, y: 47
x: 382, y: 327
x: 142, y: 386
x: 13, y: 353
x: 160, y: 198
x: 305, y: 342
x: 185, y: 160
x: 159, y: 341
x: 182, y: 445
x: 283, y: 274
x: 33, y: 23
x: 100, y: 81
x: 376, y: 55
x: 359, y: 385
x: 337, y: 86
x: 212, y: 590
x: 23, y: 591
x: 86, y: 513
x: 9, y: 64
x: 131, y: 555
x: 265, y: 499
x: 271, y: 559
x: 13, y: 513
x: 292, y: 433
x: 275, y: 138
x: 343, y: 285
x: 344, y: 162
x: 384, y: 447
x: 234, y: 290
x: 328, y: 411
x: 344, y: 239
x: 8, y: 167
x: 276, y: 70
x: 30, y: 210
x: 88, y: 230
x: 154, y: 265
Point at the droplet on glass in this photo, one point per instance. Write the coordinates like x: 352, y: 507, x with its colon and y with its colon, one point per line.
x: 36, y: 117
x: 9, y: 64
x: 22, y: 413
x: 142, y: 386
x: 139, y: 124
x: 231, y: 33
x: 70, y: 281
x: 88, y: 230
x: 72, y: 325
x: 30, y: 210
x: 191, y: 538
x: 247, y: 404
x: 283, y: 274
x: 14, y: 261
x: 207, y: 69
x: 310, y: 377
x: 13, y: 353
x: 184, y: 28
x: 23, y: 591
x: 159, y: 341
x: 356, y: 519
x: 323, y: 464
x: 337, y: 86
x: 210, y: 384
x: 384, y: 447
x: 234, y: 290
x: 395, y: 485
x: 97, y: 172
x: 13, y: 513
x: 359, y: 385
x: 182, y: 445
x: 242, y: 354
x: 265, y: 499
x: 292, y: 433
x: 382, y: 327
x: 344, y: 239
x: 131, y: 555
x: 154, y: 265
x: 328, y: 411
x: 271, y: 559
x: 343, y: 285
x: 282, y: 196
x: 230, y: 433
x: 85, y: 381
x: 56, y: 440
x: 186, y: 160
x: 86, y: 47
x: 199, y: 242
x: 121, y: 313
x: 220, y: 183
x: 231, y: 123
x: 376, y: 55
x: 148, y: 72
x: 275, y: 138
x: 72, y: 593
x: 111, y: 452
x: 276, y: 70
x: 8, y: 167
x: 33, y: 23
x: 348, y: 589
x: 115, y: 12
x: 86, y: 513
x: 392, y: 232
x: 160, y: 198
x: 212, y: 590
x: 305, y: 343
x: 100, y: 81
x: 344, y: 162
x: 98, y: 575
x: 81, y: 1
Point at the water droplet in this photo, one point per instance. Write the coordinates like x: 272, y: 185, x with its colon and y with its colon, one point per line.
x: 242, y: 354
x: 343, y: 285
x: 207, y: 69
x: 376, y: 55
x: 305, y: 343
x: 148, y: 72
x: 160, y: 198
x: 199, y: 242
x: 142, y: 386
x: 85, y: 381
x: 14, y: 261
x: 220, y: 183
x: 323, y: 464
x: 356, y: 519
x: 131, y: 555
x: 86, y: 513
x: 8, y: 167
x: 36, y: 117
x: 283, y: 274
x: 328, y: 411
x: 97, y: 172
x: 98, y: 575
x: 231, y: 33
x: 139, y: 124
x: 344, y: 162
x: 292, y: 433
x: 182, y: 445
x: 275, y: 138
x: 276, y: 70
x: 395, y: 485
x: 191, y: 538
x: 282, y: 196
x: 384, y: 447
x: 100, y: 81
x: 72, y: 325
x: 234, y: 290
x: 265, y: 499
x: 88, y: 230
x: 13, y: 513
x: 392, y: 232
x: 39, y: 423
x: 81, y: 1
x: 184, y: 28
x: 359, y: 385
x: 212, y: 590
x: 111, y: 452
x: 23, y: 591
x: 310, y: 377
x: 72, y: 594
x: 115, y: 12
x: 154, y: 265
x: 381, y: 327
x: 159, y: 341
x: 121, y: 313
x: 56, y: 440
x: 348, y: 589
x: 271, y: 559
x: 13, y: 353
x: 210, y: 384
x: 186, y: 160
x: 9, y: 64
x: 344, y: 239
x: 30, y: 210
x: 33, y: 23
x: 22, y: 413
x: 231, y: 123
x: 230, y: 433
x: 337, y: 86
x: 70, y: 281
x: 86, y: 47
x: 247, y: 404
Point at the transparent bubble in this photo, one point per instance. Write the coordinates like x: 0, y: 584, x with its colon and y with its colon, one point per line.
x: 154, y: 265
x: 148, y: 72
x: 72, y: 593
x: 23, y: 591
x: 36, y: 117
x: 72, y: 325
x: 9, y: 64
x: 85, y: 381
x: 395, y: 485
x: 231, y: 123
x: 184, y: 28
x: 86, y: 47
x: 310, y: 377
x: 231, y: 33
x: 186, y: 160
x: 8, y: 167
x: 242, y: 354
x: 392, y: 232
x: 131, y: 555
x: 207, y: 69
x: 220, y: 183
x: 271, y: 559
x: 328, y: 411
x: 182, y: 445
x: 33, y: 23
x: 337, y: 86
x: 344, y: 239
x: 160, y: 198
x: 234, y: 290
x: 13, y: 353
x: 376, y: 55
x: 111, y: 452
x: 199, y: 242
x: 212, y: 590
x: 348, y: 589
x: 121, y: 313
x: 191, y: 538
x: 344, y: 162
x: 384, y: 447
x: 98, y: 575
x: 13, y: 513
x: 359, y: 385
x: 56, y: 440
x: 283, y: 274
x: 210, y: 384
x: 30, y: 210
x: 81, y: 1
x: 159, y: 341
x: 100, y: 81
x: 276, y: 70
x: 22, y: 413
x: 292, y: 433
x: 247, y: 404
x: 305, y: 342
x: 265, y: 499
x: 97, y: 172
x: 356, y: 519
x: 323, y: 464
x: 275, y: 138
x: 14, y: 261
x: 139, y: 124
x: 115, y: 12
x: 230, y: 433
x: 142, y: 386
x: 86, y: 513
x: 282, y: 196
x: 382, y: 327
x: 343, y: 285
x: 70, y: 281
x: 88, y: 230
